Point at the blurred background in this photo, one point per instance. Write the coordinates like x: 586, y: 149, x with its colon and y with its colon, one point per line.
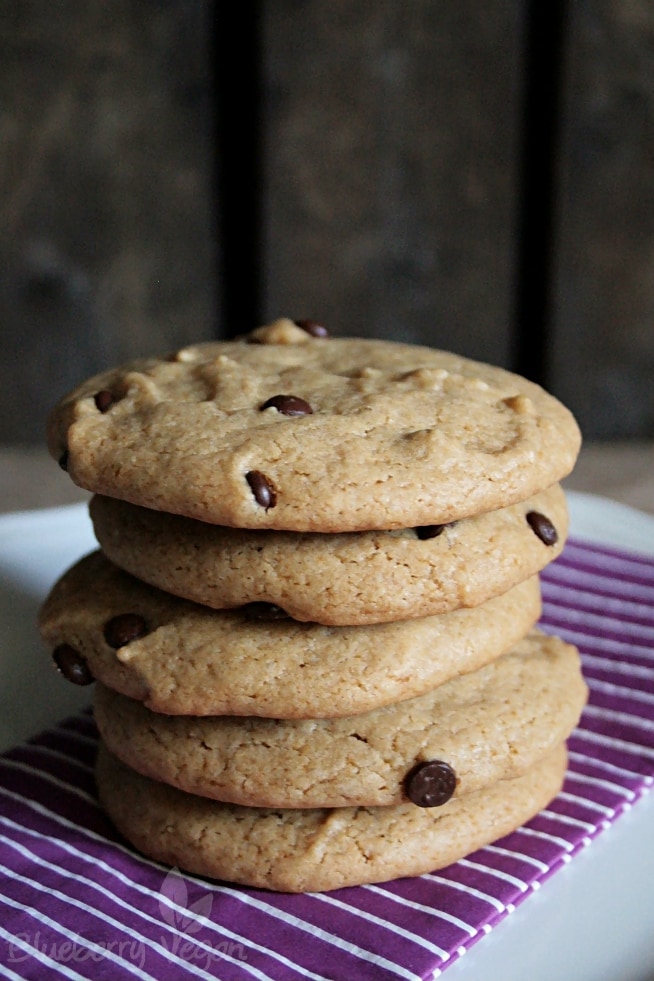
x: 471, y: 175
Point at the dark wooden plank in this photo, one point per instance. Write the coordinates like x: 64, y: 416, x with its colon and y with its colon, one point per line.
x: 390, y: 168
x: 545, y: 34
x: 107, y: 238
x: 603, y: 352
x: 240, y: 162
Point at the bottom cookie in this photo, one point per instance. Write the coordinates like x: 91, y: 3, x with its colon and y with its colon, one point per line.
x: 315, y: 850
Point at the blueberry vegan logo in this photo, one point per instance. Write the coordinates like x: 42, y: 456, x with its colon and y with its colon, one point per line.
x: 187, y: 920
x: 185, y: 931
x: 177, y: 912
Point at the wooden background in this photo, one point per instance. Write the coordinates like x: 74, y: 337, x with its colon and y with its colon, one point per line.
x: 473, y: 175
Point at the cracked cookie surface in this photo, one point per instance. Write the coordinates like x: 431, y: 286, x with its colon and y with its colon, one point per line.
x: 288, y: 431
x: 346, y: 579
x: 188, y: 660
x: 491, y: 724
x: 315, y: 849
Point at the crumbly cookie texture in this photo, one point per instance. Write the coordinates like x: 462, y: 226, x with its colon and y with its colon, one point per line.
x: 289, y: 431
x: 314, y: 849
x: 181, y: 658
x: 349, y: 578
x: 488, y: 725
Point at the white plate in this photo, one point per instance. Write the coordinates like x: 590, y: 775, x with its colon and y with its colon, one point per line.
x: 592, y: 921
x: 35, y: 548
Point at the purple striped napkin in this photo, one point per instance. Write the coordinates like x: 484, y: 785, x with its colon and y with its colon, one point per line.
x: 77, y: 903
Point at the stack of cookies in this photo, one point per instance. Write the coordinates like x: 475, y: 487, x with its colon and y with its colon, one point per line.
x: 312, y: 617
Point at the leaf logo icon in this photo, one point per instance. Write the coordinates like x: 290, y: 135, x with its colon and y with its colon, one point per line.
x: 175, y: 890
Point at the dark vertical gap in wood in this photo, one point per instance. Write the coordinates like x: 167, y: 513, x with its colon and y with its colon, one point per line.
x: 238, y: 96
x: 544, y: 45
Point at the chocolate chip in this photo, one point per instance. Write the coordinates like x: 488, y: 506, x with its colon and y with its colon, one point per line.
x: 288, y: 405
x: 104, y: 400
x: 124, y: 628
x: 543, y: 528
x: 63, y: 460
x: 264, y: 611
x: 429, y: 531
x: 312, y: 327
x: 263, y: 490
x: 72, y: 665
x: 431, y: 783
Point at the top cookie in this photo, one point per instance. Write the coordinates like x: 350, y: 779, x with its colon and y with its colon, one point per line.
x: 288, y: 431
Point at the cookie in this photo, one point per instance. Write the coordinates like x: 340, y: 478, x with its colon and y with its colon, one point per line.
x: 293, y: 432
x: 315, y: 849
x: 181, y: 658
x: 491, y: 724
x: 349, y: 578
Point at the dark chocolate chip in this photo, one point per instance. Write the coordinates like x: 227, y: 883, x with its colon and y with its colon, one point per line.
x: 264, y: 611
x: 312, y: 327
x: 72, y: 665
x: 124, y: 628
x: 63, y: 460
x: 288, y: 405
x: 263, y: 490
x: 431, y: 783
x: 104, y: 400
x: 543, y: 528
x: 429, y: 531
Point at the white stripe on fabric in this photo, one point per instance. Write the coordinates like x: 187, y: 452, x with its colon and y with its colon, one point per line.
x: 587, y: 802
x: 430, y: 910
x: 368, y: 956
x: 40, y: 917
x: 518, y: 856
x: 498, y: 873
x: 614, y: 648
x: 629, y: 598
x: 461, y: 887
x: 546, y: 836
x: 106, y: 918
x: 614, y: 715
x: 55, y: 754
x: 595, y: 580
x: 604, y: 784
x: 602, y: 764
x: 567, y: 819
x: 8, y: 973
x: 319, y: 896
x: 613, y: 742
x: 144, y: 861
x: 36, y: 954
x: 598, y: 552
x: 244, y: 898
x: 415, y: 938
x: 50, y: 778
x: 611, y: 688
x: 598, y: 622
x: 607, y: 560
x: 331, y: 900
x: 219, y: 929
x: 618, y: 667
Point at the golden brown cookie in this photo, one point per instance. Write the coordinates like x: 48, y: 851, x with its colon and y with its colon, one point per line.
x: 288, y: 431
x: 182, y: 658
x: 491, y: 724
x: 315, y: 850
x: 350, y: 578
